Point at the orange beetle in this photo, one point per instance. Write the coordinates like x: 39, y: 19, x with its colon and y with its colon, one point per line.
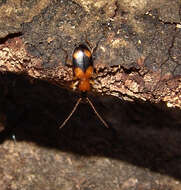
x: 83, y: 71
x: 83, y: 66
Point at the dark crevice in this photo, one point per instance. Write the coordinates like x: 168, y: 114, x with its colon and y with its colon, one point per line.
x: 130, y: 70
x: 170, y: 50
x: 169, y: 23
x: 10, y: 36
x: 34, y: 112
x: 116, y: 10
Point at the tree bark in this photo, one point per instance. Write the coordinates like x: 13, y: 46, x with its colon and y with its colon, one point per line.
x: 137, y: 54
x: 136, y: 89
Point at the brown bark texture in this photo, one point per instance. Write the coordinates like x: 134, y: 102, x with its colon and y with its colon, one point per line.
x: 138, y: 45
x: 136, y: 89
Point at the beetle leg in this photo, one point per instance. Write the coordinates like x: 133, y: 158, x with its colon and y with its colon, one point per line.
x: 74, y: 85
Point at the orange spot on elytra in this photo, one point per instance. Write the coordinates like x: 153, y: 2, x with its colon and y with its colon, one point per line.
x: 76, y: 54
x: 89, y: 72
x: 87, y: 52
x: 79, y: 73
x: 84, y: 83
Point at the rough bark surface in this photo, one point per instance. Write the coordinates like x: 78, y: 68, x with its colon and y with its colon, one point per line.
x: 138, y: 47
x: 137, y: 89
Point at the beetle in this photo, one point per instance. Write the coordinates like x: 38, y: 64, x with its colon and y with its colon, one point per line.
x: 83, y: 67
x: 83, y: 70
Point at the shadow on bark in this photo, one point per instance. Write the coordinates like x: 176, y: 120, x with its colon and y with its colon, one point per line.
x: 141, y: 133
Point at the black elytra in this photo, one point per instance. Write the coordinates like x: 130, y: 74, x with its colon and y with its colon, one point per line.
x: 82, y: 57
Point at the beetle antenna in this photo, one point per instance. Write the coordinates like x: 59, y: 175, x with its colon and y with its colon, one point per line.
x: 92, y: 106
x: 71, y: 113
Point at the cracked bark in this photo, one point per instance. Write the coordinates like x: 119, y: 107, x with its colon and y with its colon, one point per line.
x: 128, y: 62
x: 137, y: 60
